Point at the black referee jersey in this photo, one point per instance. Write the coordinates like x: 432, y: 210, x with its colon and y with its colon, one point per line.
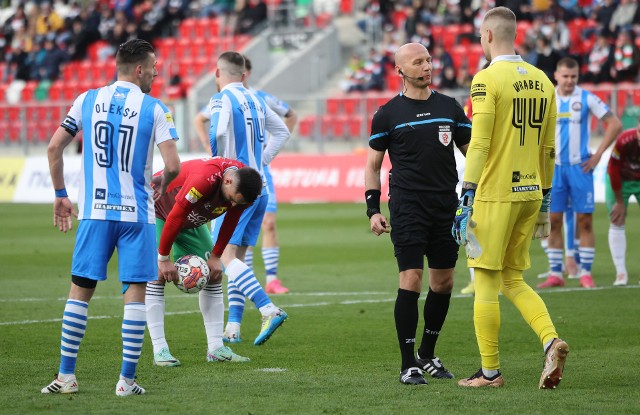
x: 418, y: 135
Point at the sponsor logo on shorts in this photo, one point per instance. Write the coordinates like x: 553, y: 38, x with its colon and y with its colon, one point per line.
x: 121, y: 208
x: 219, y: 210
x: 520, y: 189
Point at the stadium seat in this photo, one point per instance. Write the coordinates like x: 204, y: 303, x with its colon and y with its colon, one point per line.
x: 346, y: 7
x: 211, y: 47
x: 14, y: 130
x: 351, y: 105
x: 165, y: 48
x: 333, y: 106
x: 28, y: 92
x: 196, y: 47
x: 187, y: 27
x: 459, y: 56
x: 393, y: 81
x: 305, y: 128
x: 355, y: 126
x: 3, y: 91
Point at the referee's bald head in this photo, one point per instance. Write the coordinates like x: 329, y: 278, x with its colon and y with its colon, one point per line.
x: 407, y: 51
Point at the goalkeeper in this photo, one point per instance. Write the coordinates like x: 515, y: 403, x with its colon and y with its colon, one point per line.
x: 509, y: 169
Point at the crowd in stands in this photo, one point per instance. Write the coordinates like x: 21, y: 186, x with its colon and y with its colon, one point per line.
x: 40, y: 36
x: 601, y: 34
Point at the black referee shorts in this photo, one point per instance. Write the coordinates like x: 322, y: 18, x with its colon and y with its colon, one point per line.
x: 421, y: 226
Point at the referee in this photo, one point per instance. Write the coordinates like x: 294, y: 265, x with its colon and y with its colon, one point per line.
x: 418, y: 128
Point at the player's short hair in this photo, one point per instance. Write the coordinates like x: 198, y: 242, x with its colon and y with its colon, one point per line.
x: 247, y: 63
x: 568, y: 63
x: 507, y: 27
x: 249, y: 183
x: 133, y: 52
x: 231, y: 62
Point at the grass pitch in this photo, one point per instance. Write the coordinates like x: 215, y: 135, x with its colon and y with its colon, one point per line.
x: 337, y: 353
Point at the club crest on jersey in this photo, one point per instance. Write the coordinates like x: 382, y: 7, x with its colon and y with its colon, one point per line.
x: 444, y: 134
x: 193, y: 195
x: 576, y: 106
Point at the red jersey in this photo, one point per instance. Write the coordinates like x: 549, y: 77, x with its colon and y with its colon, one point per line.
x: 624, y: 164
x: 195, y: 198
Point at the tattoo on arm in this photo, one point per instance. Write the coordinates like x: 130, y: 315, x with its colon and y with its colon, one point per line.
x: 469, y: 185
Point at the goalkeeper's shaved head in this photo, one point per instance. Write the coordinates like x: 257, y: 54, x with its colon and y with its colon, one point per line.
x: 502, y: 21
x: 498, y: 33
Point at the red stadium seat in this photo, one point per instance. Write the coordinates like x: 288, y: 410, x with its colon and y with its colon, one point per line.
x: 28, y: 91
x: 196, y: 47
x: 459, y: 56
x: 333, y: 106
x: 355, y: 127
x: 393, y: 80
x: 186, y: 30
x: 3, y: 91
x: 306, y: 126
x: 211, y: 47
x: 351, y: 105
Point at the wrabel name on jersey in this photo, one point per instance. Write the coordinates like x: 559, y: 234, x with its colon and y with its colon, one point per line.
x: 115, y: 109
x: 528, y: 85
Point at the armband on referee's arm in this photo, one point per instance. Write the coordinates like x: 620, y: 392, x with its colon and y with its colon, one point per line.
x: 372, y: 197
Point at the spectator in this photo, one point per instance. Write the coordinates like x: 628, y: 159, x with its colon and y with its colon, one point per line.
x: 16, y: 22
x: 48, y: 20
x: 547, y: 57
x: 49, y: 60
x: 626, y: 58
x: 440, y: 60
x: 423, y: 36
x: 18, y: 63
x: 558, y: 32
x: 449, y: 79
x: 252, y: 16
x: 623, y: 15
x: 602, y: 15
x: 599, y: 61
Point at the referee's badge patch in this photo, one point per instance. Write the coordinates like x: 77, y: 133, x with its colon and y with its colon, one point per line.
x: 444, y: 134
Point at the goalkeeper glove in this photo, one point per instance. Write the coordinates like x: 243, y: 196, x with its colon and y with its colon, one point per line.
x: 462, y: 219
x: 543, y: 225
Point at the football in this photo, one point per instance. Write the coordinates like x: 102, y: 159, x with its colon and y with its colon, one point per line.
x: 193, y: 273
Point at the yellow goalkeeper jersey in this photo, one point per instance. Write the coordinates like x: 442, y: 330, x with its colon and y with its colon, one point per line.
x: 510, y: 155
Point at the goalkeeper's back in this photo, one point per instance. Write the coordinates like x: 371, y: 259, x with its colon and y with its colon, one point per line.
x: 520, y: 100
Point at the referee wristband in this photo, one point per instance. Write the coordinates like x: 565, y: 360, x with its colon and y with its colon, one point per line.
x: 163, y: 257
x: 61, y: 192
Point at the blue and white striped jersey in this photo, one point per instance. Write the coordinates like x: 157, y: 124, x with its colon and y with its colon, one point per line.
x: 573, y: 126
x: 279, y: 107
x: 240, y: 120
x: 120, y: 125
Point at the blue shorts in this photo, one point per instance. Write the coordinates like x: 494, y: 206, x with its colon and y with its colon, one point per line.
x: 248, y: 229
x: 97, y: 239
x: 572, y: 187
x: 272, y: 205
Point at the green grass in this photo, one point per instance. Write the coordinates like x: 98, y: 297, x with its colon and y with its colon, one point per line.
x: 337, y: 354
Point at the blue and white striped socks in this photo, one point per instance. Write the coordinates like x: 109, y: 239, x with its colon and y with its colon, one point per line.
x: 271, y: 257
x: 74, y: 324
x: 245, y: 281
x: 586, y: 259
x: 133, y: 325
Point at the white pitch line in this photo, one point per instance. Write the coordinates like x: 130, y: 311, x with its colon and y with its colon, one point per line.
x: 182, y: 296
x: 322, y: 304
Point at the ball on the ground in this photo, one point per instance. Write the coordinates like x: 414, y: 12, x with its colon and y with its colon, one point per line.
x: 193, y: 273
